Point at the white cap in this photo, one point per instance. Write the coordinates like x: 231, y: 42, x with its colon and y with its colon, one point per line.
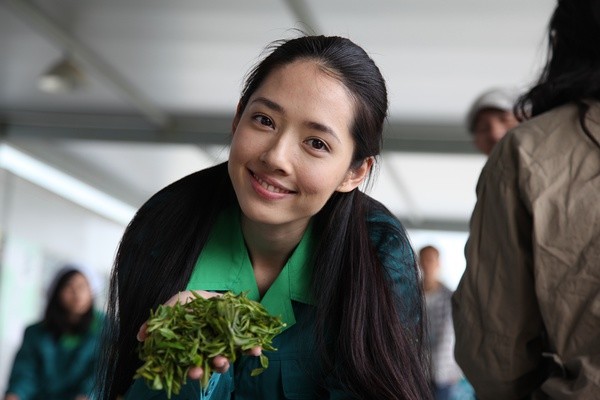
x: 497, y: 98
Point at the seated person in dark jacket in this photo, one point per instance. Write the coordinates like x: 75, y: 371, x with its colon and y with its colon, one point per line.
x: 58, y: 356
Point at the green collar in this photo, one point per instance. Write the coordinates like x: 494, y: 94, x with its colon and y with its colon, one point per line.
x: 224, y: 264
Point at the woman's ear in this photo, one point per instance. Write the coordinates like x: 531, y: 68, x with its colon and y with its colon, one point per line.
x: 236, y: 118
x: 355, y: 176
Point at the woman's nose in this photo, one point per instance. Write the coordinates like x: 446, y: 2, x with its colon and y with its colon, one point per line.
x: 278, y: 154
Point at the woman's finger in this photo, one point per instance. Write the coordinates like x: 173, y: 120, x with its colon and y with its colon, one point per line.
x: 187, y: 296
x: 220, y: 364
x: 142, y: 333
x: 255, y: 351
x: 195, y: 373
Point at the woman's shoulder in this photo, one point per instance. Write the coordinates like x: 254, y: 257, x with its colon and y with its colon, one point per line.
x: 381, y: 221
x: 388, y: 234
x: 551, y: 129
x: 36, y: 330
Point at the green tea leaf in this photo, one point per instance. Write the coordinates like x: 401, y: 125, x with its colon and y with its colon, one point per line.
x: 191, y: 334
x: 264, y: 361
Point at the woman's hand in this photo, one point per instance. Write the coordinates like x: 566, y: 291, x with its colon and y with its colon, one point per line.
x: 220, y: 364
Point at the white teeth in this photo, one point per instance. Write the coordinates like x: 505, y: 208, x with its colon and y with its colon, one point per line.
x: 270, y: 188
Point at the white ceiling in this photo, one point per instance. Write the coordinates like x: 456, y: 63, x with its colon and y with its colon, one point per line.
x: 151, y: 62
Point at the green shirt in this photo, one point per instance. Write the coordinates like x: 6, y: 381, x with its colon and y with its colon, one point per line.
x: 294, y: 369
x: 224, y: 264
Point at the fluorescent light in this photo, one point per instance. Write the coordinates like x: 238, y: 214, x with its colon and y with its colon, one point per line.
x: 64, y: 76
x: 64, y: 185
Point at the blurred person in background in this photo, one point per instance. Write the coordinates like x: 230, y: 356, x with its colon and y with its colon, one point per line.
x: 527, y: 309
x: 58, y: 356
x: 440, y: 340
x: 491, y: 116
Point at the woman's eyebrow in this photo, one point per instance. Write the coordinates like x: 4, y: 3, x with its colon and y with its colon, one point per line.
x: 309, y: 124
x: 322, y: 128
x: 270, y: 104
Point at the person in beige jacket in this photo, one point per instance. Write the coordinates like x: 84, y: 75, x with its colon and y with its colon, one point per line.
x: 527, y: 309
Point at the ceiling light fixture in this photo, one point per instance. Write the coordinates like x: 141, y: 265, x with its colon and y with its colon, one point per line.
x: 63, y: 76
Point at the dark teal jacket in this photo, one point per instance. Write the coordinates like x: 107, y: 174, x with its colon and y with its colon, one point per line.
x: 48, y: 369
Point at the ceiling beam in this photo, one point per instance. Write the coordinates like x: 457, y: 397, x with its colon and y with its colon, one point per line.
x: 203, y: 131
x: 404, y: 136
x: 427, y: 137
x: 86, y: 58
x: 435, y: 224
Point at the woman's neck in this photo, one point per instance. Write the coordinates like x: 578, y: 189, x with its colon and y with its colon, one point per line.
x: 269, y: 248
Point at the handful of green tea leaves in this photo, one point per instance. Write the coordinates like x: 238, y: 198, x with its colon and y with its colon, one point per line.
x: 191, y: 334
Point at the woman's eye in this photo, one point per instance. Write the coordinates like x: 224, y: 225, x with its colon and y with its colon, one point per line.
x: 317, y: 144
x: 263, y: 120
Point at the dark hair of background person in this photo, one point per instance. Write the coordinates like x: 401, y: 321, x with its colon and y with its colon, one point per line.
x: 56, y: 316
x: 572, y: 70
x: 374, y: 355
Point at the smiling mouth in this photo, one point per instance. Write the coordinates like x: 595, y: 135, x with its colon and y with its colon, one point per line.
x: 270, y: 187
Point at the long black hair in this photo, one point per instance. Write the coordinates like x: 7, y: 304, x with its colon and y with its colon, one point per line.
x: 56, y: 318
x: 155, y: 260
x: 376, y: 353
x: 572, y: 70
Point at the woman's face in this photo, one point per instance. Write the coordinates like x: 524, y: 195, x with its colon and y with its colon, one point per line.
x: 292, y: 146
x: 76, y: 295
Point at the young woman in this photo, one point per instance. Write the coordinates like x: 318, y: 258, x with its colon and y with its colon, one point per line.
x: 58, y: 357
x: 284, y: 220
